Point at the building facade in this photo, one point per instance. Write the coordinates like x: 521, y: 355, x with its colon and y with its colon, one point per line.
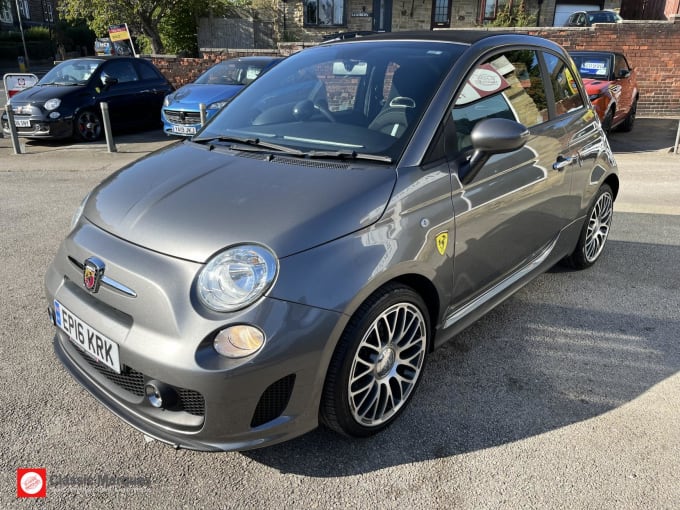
x: 318, y: 18
x: 42, y: 13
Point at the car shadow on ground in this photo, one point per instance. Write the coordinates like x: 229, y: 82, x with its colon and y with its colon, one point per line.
x: 647, y: 135
x: 119, y: 136
x: 532, y: 365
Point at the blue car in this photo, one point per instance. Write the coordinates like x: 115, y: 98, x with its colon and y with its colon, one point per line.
x: 214, y: 88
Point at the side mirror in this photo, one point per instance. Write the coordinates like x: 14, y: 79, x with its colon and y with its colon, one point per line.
x: 109, y: 80
x: 493, y: 136
x: 624, y: 73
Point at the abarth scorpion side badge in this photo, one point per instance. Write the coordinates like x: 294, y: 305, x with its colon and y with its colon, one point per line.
x: 93, y: 270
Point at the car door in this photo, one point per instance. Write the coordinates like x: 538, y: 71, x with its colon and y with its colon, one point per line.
x: 625, y: 85
x: 153, y: 87
x: 122, y: 95
x: 511, y: 213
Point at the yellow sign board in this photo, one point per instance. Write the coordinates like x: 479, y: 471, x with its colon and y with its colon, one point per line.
x: 119, y: 32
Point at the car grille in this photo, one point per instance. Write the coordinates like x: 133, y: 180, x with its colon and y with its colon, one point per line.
x: 185, y: 118
x: 133, y: 382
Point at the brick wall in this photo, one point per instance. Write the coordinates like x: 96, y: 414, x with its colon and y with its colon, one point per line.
x: 653, y: 48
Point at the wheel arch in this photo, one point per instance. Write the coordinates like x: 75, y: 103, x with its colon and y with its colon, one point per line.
x: 613, y: 181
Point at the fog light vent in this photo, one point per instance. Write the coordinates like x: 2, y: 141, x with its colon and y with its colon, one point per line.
x: 273, y: 401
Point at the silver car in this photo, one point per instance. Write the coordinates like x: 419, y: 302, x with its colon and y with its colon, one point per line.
x: 296, y: 261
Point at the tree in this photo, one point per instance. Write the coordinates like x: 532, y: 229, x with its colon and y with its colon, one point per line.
x: 514, y: 16
x: 143, y: 15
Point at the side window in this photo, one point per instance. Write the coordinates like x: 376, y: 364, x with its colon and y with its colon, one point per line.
x: 147, y: 72
x: 122, y: 70
x: 565, y: 89
x: 509, y: 86
x: 620, y: 64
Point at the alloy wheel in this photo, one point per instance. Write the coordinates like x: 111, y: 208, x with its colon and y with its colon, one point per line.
x: 598, y: 227
x: 387, y: 364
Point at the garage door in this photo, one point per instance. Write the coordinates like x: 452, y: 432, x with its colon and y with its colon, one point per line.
x: 562, y: 11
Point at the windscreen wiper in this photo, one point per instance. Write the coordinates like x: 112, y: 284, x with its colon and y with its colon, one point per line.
x: 348, y: 155
x: 250, y: 144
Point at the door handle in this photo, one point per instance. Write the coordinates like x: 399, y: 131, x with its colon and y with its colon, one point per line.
x: 563, y: 163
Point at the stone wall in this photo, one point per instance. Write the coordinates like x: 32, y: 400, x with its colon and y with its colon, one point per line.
x: 652, y: 47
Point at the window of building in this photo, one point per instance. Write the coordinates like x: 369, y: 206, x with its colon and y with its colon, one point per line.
x: 5, y: 12
x: 489, y: 9
x: 48, y: 12
x: 324, y: 12
x: 441, y: 13
x: 25, y: 10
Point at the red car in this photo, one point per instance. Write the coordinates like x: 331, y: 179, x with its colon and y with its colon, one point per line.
x: 611, y: 85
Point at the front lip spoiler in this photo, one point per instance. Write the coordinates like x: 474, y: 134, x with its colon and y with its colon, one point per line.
x: 163, y: 435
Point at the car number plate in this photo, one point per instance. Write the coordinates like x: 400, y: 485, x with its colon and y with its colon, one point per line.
x: 87, y: 338
x: 22, y: 122
x: 184, y: 130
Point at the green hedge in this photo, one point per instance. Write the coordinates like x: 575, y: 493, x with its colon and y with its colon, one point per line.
x: 36, y: 49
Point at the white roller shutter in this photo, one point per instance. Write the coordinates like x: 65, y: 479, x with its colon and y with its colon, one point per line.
x: 562, y: 11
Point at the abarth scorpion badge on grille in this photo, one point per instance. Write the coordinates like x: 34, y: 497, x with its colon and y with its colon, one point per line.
x: 92, y: 273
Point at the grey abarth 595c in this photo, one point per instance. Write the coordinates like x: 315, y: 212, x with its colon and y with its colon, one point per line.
x: 295, y: 262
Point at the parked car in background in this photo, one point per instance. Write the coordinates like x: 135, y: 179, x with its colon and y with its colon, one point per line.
x: 297, y: 260
x: 589, y: 18
x: 181, y: 113
x: 611, y: 85
x: 66, y: 101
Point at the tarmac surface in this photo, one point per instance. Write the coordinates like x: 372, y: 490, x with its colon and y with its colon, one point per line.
x: 565, y: 396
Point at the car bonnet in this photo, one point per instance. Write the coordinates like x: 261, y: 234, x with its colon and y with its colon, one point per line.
x: 194, y: 94
x: 42, y: 93
x: 190, y: 202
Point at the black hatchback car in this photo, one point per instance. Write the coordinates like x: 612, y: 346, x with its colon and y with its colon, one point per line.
x: 66, y: 101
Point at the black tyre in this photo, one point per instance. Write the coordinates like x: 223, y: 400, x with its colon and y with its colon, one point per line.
x: 87, y: 126
x: 607, y: 121
x: 377, y: 364
x: 627, y: 125
x: 595, y: 230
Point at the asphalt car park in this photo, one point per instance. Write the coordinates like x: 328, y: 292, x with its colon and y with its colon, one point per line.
x: 565, y: 396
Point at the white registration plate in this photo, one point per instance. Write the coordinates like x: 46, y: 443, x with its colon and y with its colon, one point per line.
x: 87, y: 338
x: 184, y: 130
x: 22, y: 122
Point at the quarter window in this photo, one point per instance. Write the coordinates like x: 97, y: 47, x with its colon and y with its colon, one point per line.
x: 565, y: 88
x: 324, y: 12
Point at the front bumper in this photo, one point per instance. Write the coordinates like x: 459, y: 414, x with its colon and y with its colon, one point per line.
x: 181, y: 122
x: 164, y: 335
x: 41, y: 127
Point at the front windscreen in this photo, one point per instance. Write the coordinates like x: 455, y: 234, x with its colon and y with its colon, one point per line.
x: 361, y: 97
x: 231, y: 73
x: 71, y: 72
x: 593, y: 66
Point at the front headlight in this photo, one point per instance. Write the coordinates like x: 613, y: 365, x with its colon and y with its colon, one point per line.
x: 79, y: 212
x: 167, y: 100
x: 52, y: 104
x: 236, y: 277
x: 217, y: 105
